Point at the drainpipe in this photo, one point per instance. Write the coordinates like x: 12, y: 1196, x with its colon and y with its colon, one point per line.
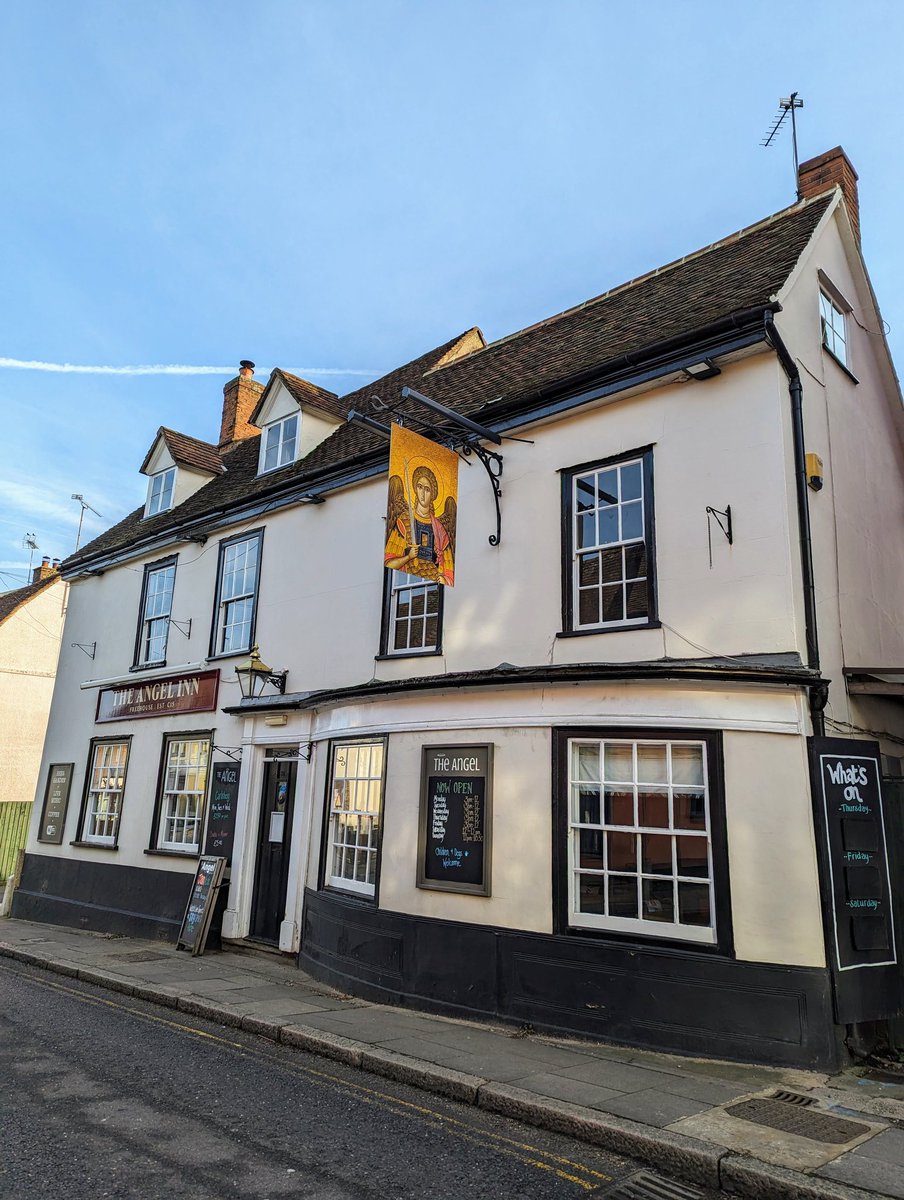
x: 819, y: 693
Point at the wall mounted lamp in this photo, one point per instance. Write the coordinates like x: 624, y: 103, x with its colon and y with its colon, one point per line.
x: 704, y: 369
x: 254, y: 675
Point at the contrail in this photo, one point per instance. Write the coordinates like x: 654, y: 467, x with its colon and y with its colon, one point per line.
x: 20, y: 364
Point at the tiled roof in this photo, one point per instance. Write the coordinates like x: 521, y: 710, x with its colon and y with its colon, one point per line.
x: 676, y: 301
x: 189, y: 451
x: 304, y: 392
x: 11, y: 601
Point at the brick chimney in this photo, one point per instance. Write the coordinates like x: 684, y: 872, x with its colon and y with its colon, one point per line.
x: 240, y: 397
x: 822, y: 173
x: 45, y: 569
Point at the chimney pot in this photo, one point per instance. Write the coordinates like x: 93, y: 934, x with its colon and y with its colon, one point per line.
x: 825, y: 171
x: 44, y: 570
x: 246, y: 367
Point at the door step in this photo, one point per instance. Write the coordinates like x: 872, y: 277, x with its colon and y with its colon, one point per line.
x: 257, y: 949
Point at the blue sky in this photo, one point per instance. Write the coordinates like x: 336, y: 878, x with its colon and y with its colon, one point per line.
x: 338, y: 186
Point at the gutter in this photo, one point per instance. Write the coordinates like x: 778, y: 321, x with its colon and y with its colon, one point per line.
x: 700, y: 670
x: 819, y: 694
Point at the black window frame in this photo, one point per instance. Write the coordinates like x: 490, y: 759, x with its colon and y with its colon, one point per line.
x: 723, y: 946
x: 194, y: 735
x: 323, y: 876
x: 386, y: 622
x: 161, y: 564
x: 213, y: 653
x: 570, y: 628
x: 80, y: 839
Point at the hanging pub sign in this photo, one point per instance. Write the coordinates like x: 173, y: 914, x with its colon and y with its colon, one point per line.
x: 196, y: 692
x: 455, y: 819
x: 56, y: 801
x: 422, y: 507
x: 857, y: 891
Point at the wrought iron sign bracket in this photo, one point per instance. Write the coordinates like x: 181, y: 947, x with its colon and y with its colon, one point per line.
x: 234, y: 752
x: 282, y: 755
x: 89, y: 648
x: 724, y: 525
x: 181, y: 626
x: 492, y: 464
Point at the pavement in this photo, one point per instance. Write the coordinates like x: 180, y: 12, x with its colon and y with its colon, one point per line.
x: 769, y: 1133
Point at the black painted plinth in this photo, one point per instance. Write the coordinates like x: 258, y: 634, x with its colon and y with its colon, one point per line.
x: 657, y: 997
x: 106, y: 897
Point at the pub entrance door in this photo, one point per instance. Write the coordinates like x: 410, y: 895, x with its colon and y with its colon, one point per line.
x: 274, y: 840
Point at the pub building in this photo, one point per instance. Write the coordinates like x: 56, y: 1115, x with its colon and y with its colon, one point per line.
x: 628, y: 775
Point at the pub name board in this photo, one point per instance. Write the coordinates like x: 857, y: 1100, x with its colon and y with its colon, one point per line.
x: 195, y: 692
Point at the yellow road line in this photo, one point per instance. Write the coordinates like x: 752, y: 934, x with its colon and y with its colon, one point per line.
x: 523, y: 1151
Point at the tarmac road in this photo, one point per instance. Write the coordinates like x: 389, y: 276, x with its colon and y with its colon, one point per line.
x: 113, y: 1097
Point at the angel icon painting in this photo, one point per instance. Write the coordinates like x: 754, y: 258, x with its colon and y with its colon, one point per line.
x: 421, y: 510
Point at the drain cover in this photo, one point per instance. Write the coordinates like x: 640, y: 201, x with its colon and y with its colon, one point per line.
x: 645, y: 1186
x: 138, y: 956
x: 792, y: 1118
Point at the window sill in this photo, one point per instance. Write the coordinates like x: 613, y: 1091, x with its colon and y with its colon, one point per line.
x: 838, y: 363
x: 230, y: 654
x: 408, y: 654
x: 649, y: 941
x: 154, y: 666
x: 359, y: 897
x: 88, y: 845
x: 570, y: 633
x: 174, y: 853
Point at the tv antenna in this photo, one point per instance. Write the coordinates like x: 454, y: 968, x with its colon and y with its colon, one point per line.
x: 787, y: 104
x: 30, y: 543
x: 84, y: 503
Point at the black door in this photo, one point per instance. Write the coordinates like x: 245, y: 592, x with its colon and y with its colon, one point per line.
x: 274, y: 839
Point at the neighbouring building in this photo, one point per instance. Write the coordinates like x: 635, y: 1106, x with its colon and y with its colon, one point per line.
x: 589, y: 787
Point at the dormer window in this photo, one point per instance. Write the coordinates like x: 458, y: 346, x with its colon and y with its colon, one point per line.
x: 160, y: 492
x: 278, y: 444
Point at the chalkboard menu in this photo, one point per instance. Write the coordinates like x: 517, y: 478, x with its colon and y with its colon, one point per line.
x: 56, y: 801
x: 455, y: 819
x: 857, y: 881
x: 199, y: 910
x: 224, y: 794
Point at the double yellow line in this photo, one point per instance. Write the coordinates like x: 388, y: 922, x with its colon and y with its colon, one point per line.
x: 563, y: 1168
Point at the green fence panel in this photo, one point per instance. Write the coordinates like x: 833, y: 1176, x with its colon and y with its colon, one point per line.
x: 14, y: 818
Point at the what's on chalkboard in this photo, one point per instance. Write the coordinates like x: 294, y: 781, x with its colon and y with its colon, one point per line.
x: 199, y: 910
x: 224, y: 795
x: 454, y: 834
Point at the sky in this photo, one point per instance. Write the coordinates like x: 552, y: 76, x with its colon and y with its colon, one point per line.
x: 336, y: 186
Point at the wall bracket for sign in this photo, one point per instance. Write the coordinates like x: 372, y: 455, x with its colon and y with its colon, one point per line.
x: 184, y: 627
x: 470, y: 444
x: 233, y: 752
x: 89, y: 648
x: 284, y: 755
x: 723, y: 520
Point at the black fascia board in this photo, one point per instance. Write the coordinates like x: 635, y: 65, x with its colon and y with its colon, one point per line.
x: 737, y: 331
x: 699, y: 671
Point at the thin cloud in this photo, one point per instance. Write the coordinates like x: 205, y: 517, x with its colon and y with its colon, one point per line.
x: 21, y: 364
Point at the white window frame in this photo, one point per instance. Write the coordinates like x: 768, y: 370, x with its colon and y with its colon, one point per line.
x: 161, y: 487
x: 833, y: 327
x: 148, y: 619
x: 236, y: 595
x: 621, y: 543
x: 355, y: 811
x: 418, y: 593
x: 279, y: 444
x: 184, y: 775
x: 645, y: 927
x: 104, y: 789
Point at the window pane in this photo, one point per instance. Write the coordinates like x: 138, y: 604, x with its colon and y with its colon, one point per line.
x: 637, y: 603
x: 635, y: 562
x: 687, y: 765
x: 658, y: 900
x: 690, y: 810
x: 656, y: 854
x: 588, y: 606
x: 619, y: 762
x: 631, y: 482
x: 619, y: 806
x: 591, y: 858
x: 591, y: 894
x: 587, y: 800
x: 622, y: 895
x: 588, y: 570
x: 584, y: 493
x: 654, y: 809
x: 611, y: 565
x: 607, y: 488
x: 622, y: 848
x: 586, y: 761
x: 632, y: 520
x: 613, y: 603
x: 692, y: 857
x: 586, y: 525
x: 652, y: 766
x: 608, y: 525
x: 693, y: 904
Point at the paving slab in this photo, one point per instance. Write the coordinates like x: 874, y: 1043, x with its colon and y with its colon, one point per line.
x: 653, y: 1107
x: 887, y: 1146
x: 871, y: 1173
x: 621, y: 1076
x: 572, y: 1090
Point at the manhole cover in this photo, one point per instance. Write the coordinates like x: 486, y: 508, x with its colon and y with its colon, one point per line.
x: 138, y: 956
x: 791, y: 1118
x: 646, y: 1186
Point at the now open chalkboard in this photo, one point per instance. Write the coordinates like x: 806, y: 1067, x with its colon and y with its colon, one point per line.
x: 224, y: 795
x: 454, y: 842
x: 199, y: 910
